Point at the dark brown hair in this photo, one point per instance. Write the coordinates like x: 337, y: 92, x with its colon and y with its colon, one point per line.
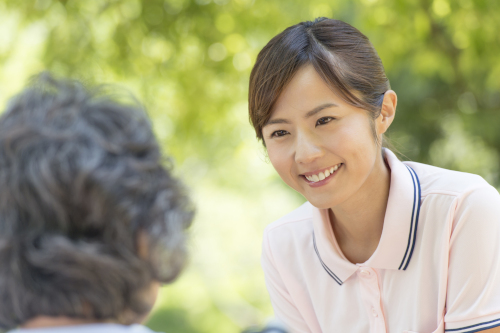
x: 82, y: 177
x: 341, y: 55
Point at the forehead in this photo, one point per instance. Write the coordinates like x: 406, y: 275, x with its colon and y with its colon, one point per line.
x: 305, y: 91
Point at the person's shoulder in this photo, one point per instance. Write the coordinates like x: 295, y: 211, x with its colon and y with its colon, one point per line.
x: 88, y: 328
x: 437, y: 180
x: 299, y: 218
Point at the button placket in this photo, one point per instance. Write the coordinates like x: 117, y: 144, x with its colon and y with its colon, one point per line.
x: 370, y: 292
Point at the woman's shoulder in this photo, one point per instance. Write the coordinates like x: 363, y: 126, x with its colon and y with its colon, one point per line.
x: 291, y: 235
x: 296, y: 220
x: 437, y: 180
x: 472, y: 196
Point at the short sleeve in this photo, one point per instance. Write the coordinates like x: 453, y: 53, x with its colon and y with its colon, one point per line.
x: 284, y: 308
x: 473, y: 292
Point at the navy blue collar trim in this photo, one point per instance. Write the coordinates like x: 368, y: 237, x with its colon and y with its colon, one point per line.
x: 328, y: 270
x: 411, y: 237
x: 476, y: 328
x: 414, y: 219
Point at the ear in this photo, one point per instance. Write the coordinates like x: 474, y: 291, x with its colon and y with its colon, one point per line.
x: 142, y: 244
x: 387, y: 113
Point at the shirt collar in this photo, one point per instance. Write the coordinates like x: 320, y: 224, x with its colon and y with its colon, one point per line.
x: 398, y: 238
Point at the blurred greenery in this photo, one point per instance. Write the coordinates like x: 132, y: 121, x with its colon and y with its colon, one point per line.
x: 189, y: 62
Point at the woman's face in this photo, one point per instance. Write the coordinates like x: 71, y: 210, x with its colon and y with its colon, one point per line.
x: 321, y: 146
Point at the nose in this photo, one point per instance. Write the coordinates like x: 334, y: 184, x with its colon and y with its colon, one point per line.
x: 307, y: 149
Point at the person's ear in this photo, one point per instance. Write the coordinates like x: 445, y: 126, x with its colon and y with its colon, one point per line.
x: 142, y: 244
x: 388, y: 111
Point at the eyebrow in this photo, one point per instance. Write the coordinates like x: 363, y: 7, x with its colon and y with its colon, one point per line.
x: 307, y: 115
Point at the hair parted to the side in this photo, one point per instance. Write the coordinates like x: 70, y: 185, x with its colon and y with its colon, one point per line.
x: 81, y: 179
x: 342, y: 56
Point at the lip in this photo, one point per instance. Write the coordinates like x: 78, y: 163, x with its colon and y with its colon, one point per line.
x: 305, y: 174
x: 321, y: 182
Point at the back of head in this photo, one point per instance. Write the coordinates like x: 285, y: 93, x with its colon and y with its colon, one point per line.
x: 89, y: 214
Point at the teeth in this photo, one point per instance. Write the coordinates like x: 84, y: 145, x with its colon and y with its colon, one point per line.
x: 323, y: 175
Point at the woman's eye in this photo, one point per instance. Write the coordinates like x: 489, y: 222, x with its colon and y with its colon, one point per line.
x: 323, y: 120
x: 279, y: 133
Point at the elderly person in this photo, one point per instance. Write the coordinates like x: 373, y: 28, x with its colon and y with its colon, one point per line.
x: 91, y: 220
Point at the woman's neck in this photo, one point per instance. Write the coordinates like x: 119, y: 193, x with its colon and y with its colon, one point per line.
x: 358, y: 223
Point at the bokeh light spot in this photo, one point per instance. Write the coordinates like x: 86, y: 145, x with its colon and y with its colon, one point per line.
x: 381, y: 15
x: 130, y: 9
x: 157, y: 48
x: 224, y: 23
x: 235, y: 43
x: 8, y: 23
x: 242, y: 61
x: 441, y: 7
x: 217, y: 52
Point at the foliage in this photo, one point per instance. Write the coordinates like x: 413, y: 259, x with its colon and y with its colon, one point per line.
x: 189, y: 61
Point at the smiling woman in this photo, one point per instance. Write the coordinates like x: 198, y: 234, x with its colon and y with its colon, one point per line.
x: 299, y: 126
x: 381, y: 245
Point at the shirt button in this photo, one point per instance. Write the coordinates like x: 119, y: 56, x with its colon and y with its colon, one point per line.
x: 365, y: 273
x: 374, y: 313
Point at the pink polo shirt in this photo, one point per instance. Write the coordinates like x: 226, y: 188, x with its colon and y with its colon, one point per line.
x: 436, y: 268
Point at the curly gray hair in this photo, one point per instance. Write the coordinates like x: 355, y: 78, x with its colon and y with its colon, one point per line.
x: 81, y: 179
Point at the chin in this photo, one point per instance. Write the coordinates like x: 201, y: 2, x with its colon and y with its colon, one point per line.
x: 322, y: 203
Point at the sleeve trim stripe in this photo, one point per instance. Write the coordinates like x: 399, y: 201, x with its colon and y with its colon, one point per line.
x: 476, y: 328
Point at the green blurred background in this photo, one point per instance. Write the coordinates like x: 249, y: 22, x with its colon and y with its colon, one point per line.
x: 189, y: 62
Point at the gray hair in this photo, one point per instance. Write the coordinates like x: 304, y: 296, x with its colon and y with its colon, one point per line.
x: 81, y: 177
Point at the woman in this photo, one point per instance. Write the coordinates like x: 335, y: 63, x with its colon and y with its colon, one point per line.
x: 381, y: 245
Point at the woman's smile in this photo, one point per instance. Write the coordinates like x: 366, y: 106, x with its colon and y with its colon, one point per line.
x: 322, y: 176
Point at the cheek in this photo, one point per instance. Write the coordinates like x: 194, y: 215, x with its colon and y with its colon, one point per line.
x: 363, y: 150
x: 358, y: 136
x: 278, y: 160
x: 347, y: 142
x: 281, y: 162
